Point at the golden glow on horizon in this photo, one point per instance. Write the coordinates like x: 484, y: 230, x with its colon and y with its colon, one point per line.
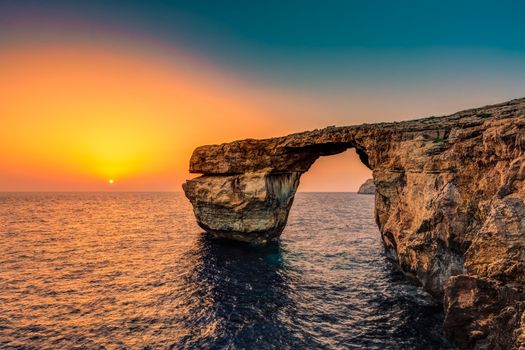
x: 75, y: 114
x: 111, y: 181
x: 72, y: 116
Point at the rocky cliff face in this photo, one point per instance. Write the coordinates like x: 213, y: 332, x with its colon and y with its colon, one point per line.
x: 368, y: 187
x: 450, y: 205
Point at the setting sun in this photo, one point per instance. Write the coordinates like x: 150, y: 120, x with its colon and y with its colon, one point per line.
x: 111, y: 181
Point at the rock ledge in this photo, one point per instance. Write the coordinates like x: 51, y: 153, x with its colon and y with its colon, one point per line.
x: 449, y: 203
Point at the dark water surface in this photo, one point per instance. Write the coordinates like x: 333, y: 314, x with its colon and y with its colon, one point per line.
x: 95, y: 271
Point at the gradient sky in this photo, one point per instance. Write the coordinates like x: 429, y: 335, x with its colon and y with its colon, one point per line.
x: 125, y: 90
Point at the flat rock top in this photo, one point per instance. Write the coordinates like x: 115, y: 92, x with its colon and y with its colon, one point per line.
x: 252, y: 155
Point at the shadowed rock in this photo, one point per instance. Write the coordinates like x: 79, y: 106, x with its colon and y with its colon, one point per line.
x: 450, y: 201
x: 367, y: 187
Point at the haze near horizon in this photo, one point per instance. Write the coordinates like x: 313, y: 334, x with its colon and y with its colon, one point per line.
x: 94, y: 92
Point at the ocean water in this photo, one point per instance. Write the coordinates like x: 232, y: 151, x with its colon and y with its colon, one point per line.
x: 133, y: 271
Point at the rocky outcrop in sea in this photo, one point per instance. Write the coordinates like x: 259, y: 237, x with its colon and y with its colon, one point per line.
x: 449, y: 202
x: 368, y: 187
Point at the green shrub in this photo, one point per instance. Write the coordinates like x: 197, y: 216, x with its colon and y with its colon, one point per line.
x: 438, y: 140
x: 484, y: 115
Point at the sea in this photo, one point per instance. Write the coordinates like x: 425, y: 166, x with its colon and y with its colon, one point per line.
x: 134, y: 271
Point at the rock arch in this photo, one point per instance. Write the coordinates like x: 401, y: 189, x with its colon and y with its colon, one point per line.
x: 449, y: 203
x: 252, y: 206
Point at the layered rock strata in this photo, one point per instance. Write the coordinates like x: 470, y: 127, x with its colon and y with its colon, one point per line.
x: 449, y: 203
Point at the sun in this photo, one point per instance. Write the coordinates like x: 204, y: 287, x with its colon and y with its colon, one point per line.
x: 111, y: 181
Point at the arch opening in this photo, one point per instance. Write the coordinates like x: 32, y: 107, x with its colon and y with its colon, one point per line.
x: 342, y: 172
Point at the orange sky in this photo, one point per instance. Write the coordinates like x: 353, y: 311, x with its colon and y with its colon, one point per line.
x: 75, y: 115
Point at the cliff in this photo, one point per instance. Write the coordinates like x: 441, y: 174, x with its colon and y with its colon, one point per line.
x: 449, y: 203
x: 368, y: 187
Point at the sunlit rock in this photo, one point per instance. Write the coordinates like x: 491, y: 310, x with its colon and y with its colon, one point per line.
x: 252, y: 207
x: 450, y: 201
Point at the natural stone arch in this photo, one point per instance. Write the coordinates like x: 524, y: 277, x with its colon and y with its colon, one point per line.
x: 449, y: 203
x: 254, y: 206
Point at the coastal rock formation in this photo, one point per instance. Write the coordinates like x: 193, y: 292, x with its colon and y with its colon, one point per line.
x: 449, y: 203
x: 368, y: 187
x: 251, y: 207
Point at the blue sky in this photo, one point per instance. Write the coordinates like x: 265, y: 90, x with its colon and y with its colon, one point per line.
x: 314, y: 38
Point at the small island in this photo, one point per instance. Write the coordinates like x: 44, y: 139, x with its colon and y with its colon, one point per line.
x: 368, y: 187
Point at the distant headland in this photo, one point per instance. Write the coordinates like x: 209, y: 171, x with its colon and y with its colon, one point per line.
x: 367, y: 187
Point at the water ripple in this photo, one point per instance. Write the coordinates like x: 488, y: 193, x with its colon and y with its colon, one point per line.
x: 106, y: 271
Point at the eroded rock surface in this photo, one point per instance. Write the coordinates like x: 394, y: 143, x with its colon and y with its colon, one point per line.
x: 251, y: 207
x: 450, y: 205
x: 368, y: 187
